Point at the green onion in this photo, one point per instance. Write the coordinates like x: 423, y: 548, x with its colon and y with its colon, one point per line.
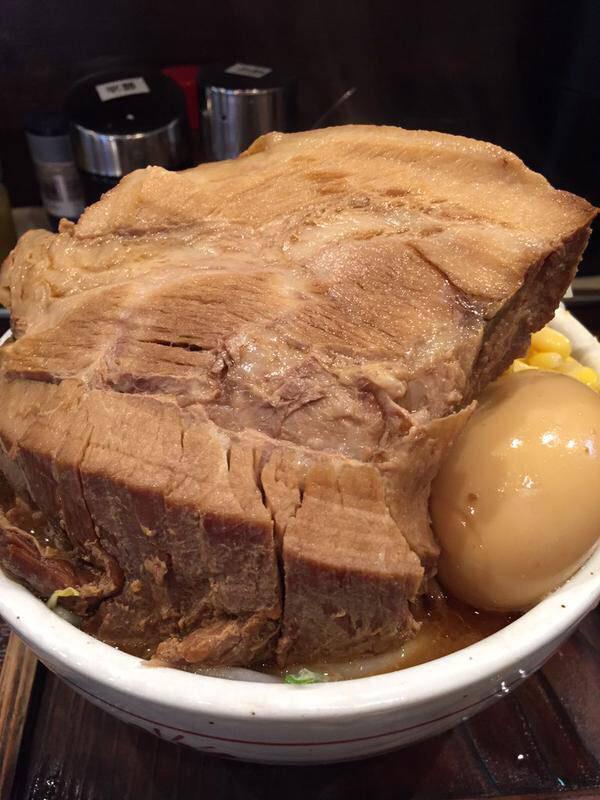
x: 304, y: 677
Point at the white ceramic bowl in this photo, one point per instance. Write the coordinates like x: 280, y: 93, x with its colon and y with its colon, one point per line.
x: 275, y: 722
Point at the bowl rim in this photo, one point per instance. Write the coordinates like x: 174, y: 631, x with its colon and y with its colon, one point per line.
x: 87, y: 660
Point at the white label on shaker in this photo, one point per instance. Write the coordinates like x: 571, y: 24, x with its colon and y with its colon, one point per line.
x: 248, y: 70
x: 108, y: 91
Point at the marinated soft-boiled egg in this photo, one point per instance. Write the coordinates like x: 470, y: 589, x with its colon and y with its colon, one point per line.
x: 516, y: 505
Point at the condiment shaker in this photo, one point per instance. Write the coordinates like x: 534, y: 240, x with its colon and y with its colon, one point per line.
x: 126, y: 120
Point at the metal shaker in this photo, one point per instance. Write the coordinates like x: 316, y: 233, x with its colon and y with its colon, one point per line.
x: 240, y: 102
x: 125, y: 120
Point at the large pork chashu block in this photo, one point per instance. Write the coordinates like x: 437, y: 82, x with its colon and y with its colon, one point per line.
x: 231, y: 387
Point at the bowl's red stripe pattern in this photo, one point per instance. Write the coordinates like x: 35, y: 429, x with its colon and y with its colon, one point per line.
x: 182, y: 731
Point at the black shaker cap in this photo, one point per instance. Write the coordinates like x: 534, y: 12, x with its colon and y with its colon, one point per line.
x: 122, y: 102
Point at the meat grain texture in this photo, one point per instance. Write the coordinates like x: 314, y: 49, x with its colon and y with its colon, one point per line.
x: 231, y: 387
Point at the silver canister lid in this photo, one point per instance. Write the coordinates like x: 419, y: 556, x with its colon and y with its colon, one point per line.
x: 121, y: 121
x: 240, y: 102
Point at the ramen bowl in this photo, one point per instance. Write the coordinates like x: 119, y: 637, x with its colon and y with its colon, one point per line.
x: 250, y: 716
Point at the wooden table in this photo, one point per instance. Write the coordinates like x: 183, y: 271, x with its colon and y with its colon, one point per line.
x: 542, y: 740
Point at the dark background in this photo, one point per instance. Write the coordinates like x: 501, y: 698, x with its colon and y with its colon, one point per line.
x: 522, y: 73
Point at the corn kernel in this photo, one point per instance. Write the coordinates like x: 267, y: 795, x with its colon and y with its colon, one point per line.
x: 586, y: 375
x: 531, y: 352
x: 570, y: 364
x: 550, y: 350
x: 550, y: 341
x: 519, y: 365
x: 546, y: 360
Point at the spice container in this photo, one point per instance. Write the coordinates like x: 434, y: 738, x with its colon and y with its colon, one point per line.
x: 186, y: 77
x: 50, y: 147
x: 121, y: 121
x: 8, y: 236
x: 8, y: 239
x: 240, y: 102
